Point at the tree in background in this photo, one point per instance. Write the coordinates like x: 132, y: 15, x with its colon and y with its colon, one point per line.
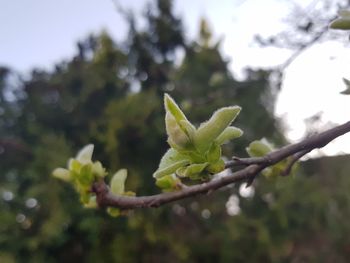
x: 110, y: 94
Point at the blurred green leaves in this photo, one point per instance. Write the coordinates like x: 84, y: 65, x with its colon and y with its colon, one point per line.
x: 82, y: 173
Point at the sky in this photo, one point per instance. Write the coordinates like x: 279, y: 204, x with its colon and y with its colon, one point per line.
x: 40, y: 33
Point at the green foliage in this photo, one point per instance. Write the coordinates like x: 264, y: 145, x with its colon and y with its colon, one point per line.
x: 194, y: 153
x: 82, y: 173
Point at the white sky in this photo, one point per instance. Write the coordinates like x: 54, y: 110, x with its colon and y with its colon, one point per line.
x: 43, y: 32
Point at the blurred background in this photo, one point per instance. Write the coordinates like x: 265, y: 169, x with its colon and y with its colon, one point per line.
x: 73, y: 73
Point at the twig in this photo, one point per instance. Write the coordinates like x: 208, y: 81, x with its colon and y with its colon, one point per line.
x: 293, y: 159
x: 255, y: 165
x: 237, y: 161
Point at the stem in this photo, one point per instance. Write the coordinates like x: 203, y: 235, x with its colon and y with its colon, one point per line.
x: 253, y: 167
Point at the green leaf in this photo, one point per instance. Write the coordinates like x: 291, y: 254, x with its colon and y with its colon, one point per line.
x: 168, y: 182
x: 170, y: 169
x: 188, y: 128
x: 171, y: 156
x: 118, y: 182
x: 191, y: 170
x: 85, y: 177
x: 62, y: 174
x: 171, y: 106
x: 216, y: 167
x: 171, y: 161
x: 214, y: 153
x: 228, y: 134
x: 74, y: 165
x: 98, y: 169
x: 84, y: 155
x: 259, y: 148
x: 210, y: 130
x: 176, y: 135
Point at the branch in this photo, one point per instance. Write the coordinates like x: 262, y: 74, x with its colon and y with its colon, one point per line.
x: 253, y: 167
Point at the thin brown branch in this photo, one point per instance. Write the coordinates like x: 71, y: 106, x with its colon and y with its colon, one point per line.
x: 237, y: 161
x: 255, y: 165
x: 292, y: 161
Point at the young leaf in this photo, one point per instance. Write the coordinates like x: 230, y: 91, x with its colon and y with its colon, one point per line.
x: 85, y: 177
x: 62, y: 174
x: 210, y: 130
x: 168, y: 183
x: 216, y: 167
x: 170, y: 169
x: 84, y: 155
x: 118, y: 182
x: 258, y: 148
x: 191, y: 170
x: 214, y: 153
x: 188, y: 128
x: 176, y: 135
x: 228, y: 134
x: 98, y: 169
x: 74, y: 165
x: 171, y: 106
x: 170, y: 161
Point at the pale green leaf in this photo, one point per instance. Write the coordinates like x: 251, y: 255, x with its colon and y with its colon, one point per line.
x: 62, y: 174
x: 85, y: 177
x: 214, y: 153
x: 168, y: 182
x: 176, y: 135
x: 170, y: 169
x: 170, y: 157
x: 191, y: 170
x: 216, y: 167
x: 258, y: 148
x: 171, y: 106
x: 98, y: 169
x: 74, y: 165
x: 228, y: 134
x: 188, y: 128
x: 84, y: 155
x: 210, y: 130
x: 118, y: 182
